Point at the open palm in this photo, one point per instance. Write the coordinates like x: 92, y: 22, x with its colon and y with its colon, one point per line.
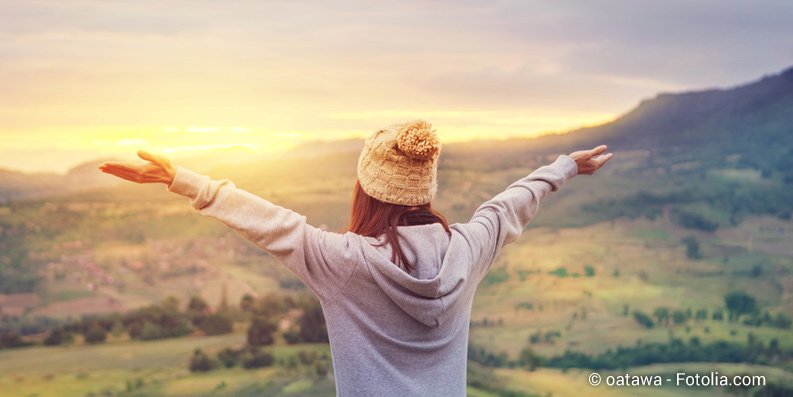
x: 589, y: 161
x: 158, y: 169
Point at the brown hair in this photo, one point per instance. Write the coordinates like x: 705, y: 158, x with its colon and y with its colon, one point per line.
x: 373, y: 218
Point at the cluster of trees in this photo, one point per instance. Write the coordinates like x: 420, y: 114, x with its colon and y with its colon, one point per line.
x: 738, y: 304
x: 754, y: 351
x: 263, y: 314
x: 252, y: 357
x: 701, y: 206
x: 168, y: 320
x: 547, y: 337
x: 676, y: 350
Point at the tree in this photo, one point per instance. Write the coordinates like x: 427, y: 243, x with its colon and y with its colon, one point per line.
x: 95, y: 334
x: 197, y: 309
x: 261, y: 331
x: 292, y: 336
x: 197, y: 304
x: 216, y: 324
x: 247, y: 303
x: 692, y: 248
x: 662, y: 315
x: 679, y: 316
x: 256, y: 358
x: 224, y: 299
x: 272, y: 305
x: 57, y: 337
x: 643, y: 319
x: 739, y: 303
x: 229, y: 357
x: 529, y: 359
x: 158, y: 321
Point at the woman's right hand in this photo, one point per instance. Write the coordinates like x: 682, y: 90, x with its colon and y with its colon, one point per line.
x: 158, y: 170
x: 591, y: 160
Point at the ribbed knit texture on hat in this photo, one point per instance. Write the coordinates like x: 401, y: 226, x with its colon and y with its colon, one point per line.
x: 399, y: 164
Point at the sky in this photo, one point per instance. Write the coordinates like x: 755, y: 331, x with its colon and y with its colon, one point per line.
x: 81, y: 80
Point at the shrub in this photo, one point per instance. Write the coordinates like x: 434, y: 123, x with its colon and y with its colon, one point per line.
x: 695, y: 220
x: 11, y: 339
x: 57, y: 337
x: 679, y: 316
x: 321, y: 369
x: 229, y: 357
x: 292, y: 336
x: 255, y: 358
x: 560, y: 272
x: 643, y: 319
x: 200, y: 362
x: 692, y: 248
x: 307, y: 357
x: 95, y: 335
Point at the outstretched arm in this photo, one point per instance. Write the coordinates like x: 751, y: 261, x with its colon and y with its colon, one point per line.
x: 501, y: 220
x: 324, y: 261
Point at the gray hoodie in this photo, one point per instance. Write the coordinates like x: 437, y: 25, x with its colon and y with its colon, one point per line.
x: 391, y: 333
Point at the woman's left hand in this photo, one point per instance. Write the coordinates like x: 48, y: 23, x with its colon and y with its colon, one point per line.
x: 158, y: 169
x: 589, y: 161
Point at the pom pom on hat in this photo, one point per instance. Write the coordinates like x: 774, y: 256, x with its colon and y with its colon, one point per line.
x: 417, y: 140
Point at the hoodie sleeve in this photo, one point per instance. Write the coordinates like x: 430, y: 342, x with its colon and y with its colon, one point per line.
x: 323, y: 260
x: 501, y: 220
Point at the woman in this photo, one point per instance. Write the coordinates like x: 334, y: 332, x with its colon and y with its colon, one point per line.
x: 397, y: 288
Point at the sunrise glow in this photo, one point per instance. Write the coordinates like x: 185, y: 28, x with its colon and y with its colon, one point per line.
x: 90, y: 80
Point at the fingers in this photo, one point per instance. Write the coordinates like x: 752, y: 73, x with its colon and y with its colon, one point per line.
x: 130, y: 174
x: 114, y: 165
x: 598, y: 150
x: 149, y: 156
x: 600, y: 161
x: 118, y: 171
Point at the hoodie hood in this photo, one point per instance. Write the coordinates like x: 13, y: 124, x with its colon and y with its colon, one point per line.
x: 438, y: 276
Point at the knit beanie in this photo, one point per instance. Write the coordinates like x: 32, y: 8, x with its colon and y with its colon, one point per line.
x: 399, y: 163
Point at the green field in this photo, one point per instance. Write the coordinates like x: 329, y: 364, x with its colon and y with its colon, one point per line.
x: 157, y: 368
x: 160, y: 369
x: 638, y: 263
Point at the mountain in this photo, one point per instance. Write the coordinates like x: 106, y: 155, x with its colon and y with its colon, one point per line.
x: 16, y: 185
x: 753, y: 120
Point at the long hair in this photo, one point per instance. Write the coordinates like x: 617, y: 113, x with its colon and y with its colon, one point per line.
x: 373, y: 218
